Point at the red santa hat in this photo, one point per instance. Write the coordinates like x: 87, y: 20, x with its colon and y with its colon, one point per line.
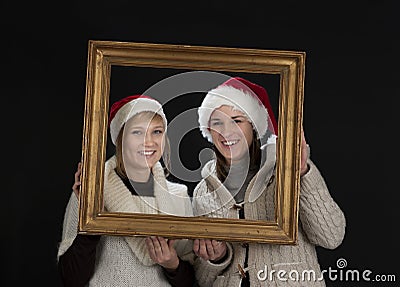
x: 124, y: 109
x: 249, y: 98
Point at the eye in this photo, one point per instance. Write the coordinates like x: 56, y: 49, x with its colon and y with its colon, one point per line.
x: 216, y: 123
x: 136, y: 132
x: 158, y: 131
x: 238, y: 121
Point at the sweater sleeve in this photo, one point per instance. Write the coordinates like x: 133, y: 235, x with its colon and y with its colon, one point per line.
x: 206, y: 272
x: 76, y: 265
x: 76, y: 252
x: 70, y: 225
x: 183, y: 276
x: 321, y: 218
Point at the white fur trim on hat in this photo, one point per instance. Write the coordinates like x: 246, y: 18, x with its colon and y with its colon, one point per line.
x: 132, y: 108
x: 240, y: 100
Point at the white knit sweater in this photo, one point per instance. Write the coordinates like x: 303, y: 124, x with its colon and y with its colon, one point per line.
x: 321, y: 222
x: 124, y: 261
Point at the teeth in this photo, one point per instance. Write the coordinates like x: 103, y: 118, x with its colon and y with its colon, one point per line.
x: 229, y: 143
x: 146, y: 152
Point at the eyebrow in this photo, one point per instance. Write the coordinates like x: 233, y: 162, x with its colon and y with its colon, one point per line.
x: 236, y: 117
x: 233, y: 118
x: 147, y: 127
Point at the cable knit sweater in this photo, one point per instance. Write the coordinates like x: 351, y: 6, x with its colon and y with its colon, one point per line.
x: 321, y: 223
x: 124, y: 261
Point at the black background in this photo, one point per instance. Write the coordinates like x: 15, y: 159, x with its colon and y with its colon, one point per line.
x: 351, y: 94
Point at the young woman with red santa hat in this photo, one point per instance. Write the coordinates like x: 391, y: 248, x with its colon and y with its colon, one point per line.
x: 134, y: 181
x: 240, y: 183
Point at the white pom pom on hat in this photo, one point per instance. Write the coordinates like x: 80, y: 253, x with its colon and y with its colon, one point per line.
x: 243, y: 95
x: 124, y: 109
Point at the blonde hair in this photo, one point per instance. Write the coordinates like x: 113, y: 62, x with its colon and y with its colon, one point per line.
x: 120, y: 167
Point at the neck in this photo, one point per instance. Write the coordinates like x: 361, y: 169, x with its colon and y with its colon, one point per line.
x: 240, y: 163
x: 139, y: 175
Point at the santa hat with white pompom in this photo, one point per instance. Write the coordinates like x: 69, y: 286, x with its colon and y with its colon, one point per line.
x: 245, y: 96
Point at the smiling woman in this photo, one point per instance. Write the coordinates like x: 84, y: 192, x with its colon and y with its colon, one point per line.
x: 239, y: 183
x: 134, y: 181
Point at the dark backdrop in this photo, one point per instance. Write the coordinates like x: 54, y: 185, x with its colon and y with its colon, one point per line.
x: 351, y: 94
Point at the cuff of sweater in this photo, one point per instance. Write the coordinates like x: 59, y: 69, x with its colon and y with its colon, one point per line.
x: 170, y: 273
x: 207, y: 272
x: 222, y: 264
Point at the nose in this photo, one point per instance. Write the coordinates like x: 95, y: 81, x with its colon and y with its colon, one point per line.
x: 228, y: 129
x: 148, y: 139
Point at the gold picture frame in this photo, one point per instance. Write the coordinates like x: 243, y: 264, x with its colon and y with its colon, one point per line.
x: 289, y: 65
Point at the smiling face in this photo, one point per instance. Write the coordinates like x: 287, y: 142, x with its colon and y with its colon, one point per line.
x: 231, y: 133
x: 142, y: 142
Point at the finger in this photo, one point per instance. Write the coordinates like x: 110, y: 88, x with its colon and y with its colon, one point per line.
x: 150, y: 248
x: 149, y: 243
x: 210, y: 249
x: 219, y: 248
x: 75, y: 189
x: 304, y: 143
x: 78, y: 171
x: 203, y: 249
x: 216, y: 244
x: 77, y: 181
x: 196, y: 245
x: 77, y: 178
x: 163, y: 244
x: 304, y: 155
x: 157, y: 246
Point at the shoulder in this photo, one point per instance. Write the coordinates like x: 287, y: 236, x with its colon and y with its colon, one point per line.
x: 209, y: 170
x: 200, y: 188
x: 175, y: 187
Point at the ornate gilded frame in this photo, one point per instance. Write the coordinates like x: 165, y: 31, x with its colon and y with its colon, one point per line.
x: 290, y: 65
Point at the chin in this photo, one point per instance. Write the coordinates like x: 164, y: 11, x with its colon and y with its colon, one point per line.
x: 149, y: 165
